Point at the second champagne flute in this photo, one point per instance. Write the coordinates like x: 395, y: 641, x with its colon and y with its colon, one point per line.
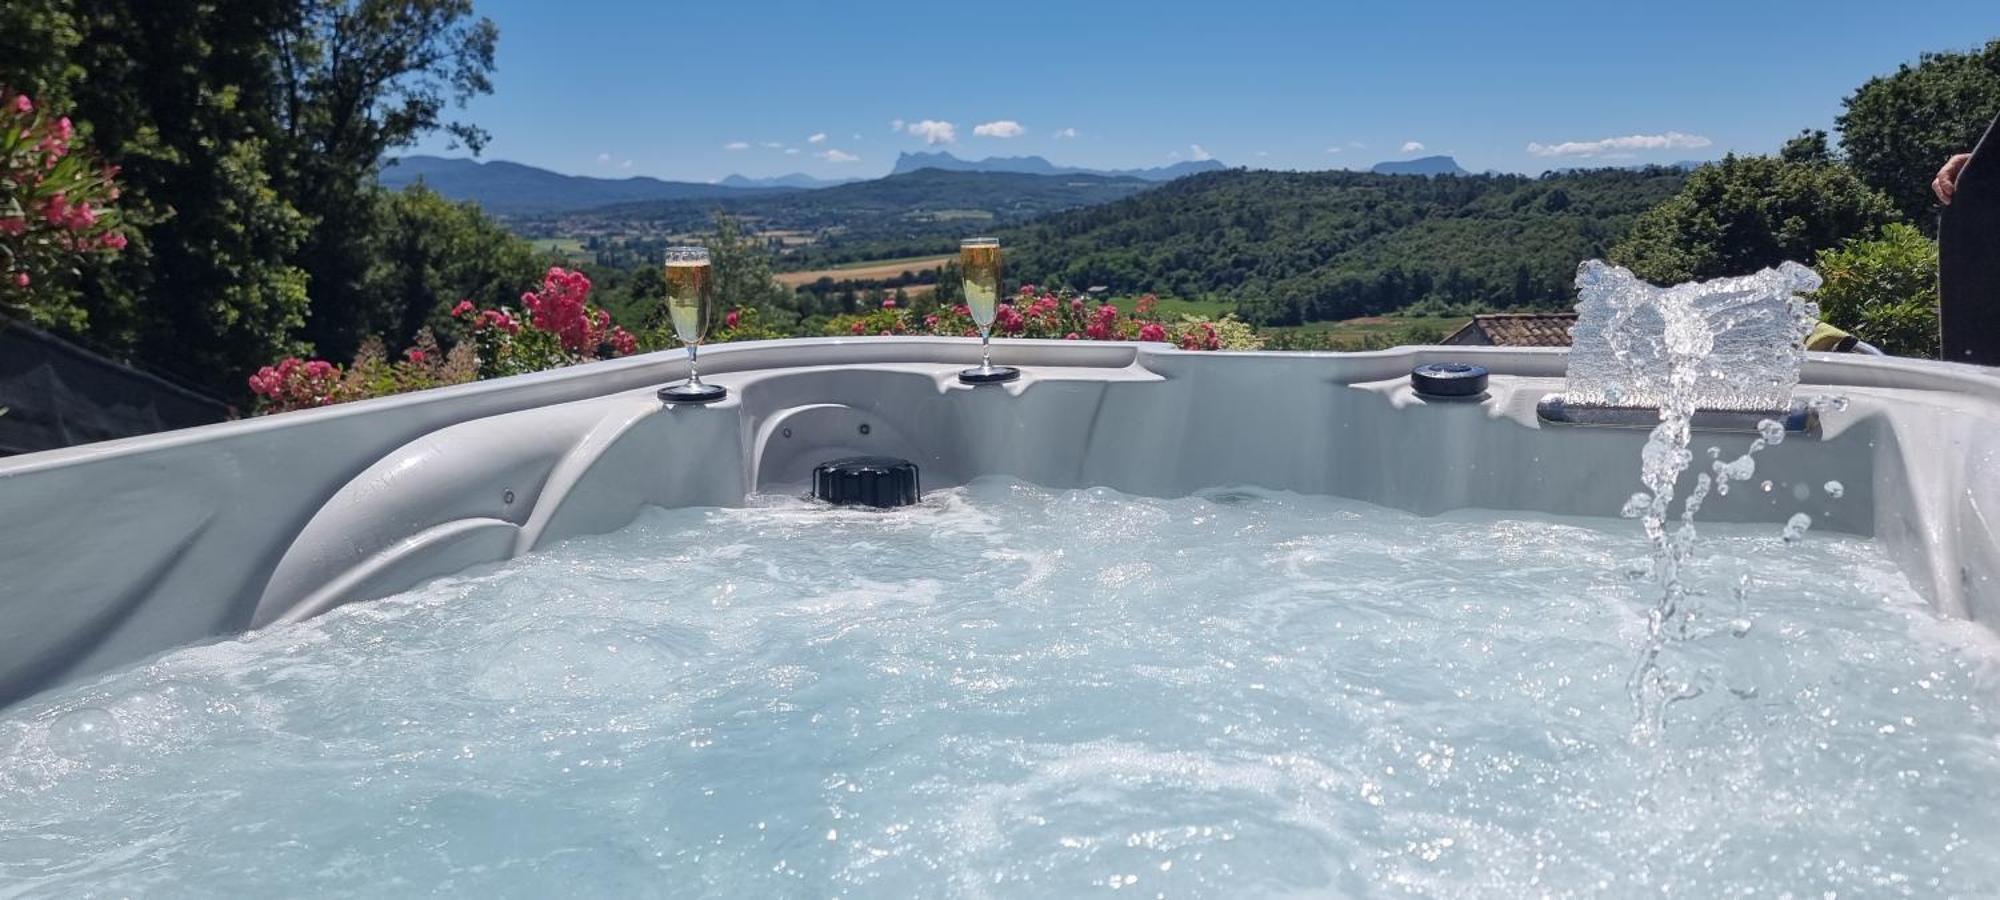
x: 979, y: 262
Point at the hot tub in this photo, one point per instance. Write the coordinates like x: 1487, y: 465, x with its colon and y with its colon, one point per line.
x: 1279, y: 493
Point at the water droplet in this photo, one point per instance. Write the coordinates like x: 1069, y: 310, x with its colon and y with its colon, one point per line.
x: 1636, y: 504
x: 1795, y: 528
x: 1714, y: 452
x: 1773, y: 432
x: 1766, y: 485
x: 1835, y: 489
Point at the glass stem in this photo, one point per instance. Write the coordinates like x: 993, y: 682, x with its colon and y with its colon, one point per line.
x: 694, y: 374
x: 986, y: 348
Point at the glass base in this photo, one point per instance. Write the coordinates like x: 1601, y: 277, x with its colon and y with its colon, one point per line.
x: 985, y: 375
x: 691, y: 392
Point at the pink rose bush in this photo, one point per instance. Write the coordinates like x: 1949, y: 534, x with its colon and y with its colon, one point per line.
x: 57, y: 208
x: 558, y: 328
x: 1036, y: 313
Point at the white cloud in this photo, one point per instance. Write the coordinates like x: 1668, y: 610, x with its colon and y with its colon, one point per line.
x: 819, y: 137
x: 895, y: 124
x: 791, y: 151
x: 1672, y: 140
x: 627, y: 164
x: 837, y: 156
x: 773, y: 145
x: 1263, y: 153
x: 1357, y: 145
x: 604, y: 159
x: 1065, y: 133
x: 736, y: 145
x: 1004, y: 128
x: 933, y: 131
x: 1196, y: 153
x: 1413, y: 146
x: 1333, y: 149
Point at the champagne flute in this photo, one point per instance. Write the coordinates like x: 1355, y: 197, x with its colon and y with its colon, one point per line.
x: 688, y: 306
x: 979, y: 263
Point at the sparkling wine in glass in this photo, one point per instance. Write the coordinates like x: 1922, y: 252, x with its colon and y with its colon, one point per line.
x: 979, y: 262
x: 688, y: 305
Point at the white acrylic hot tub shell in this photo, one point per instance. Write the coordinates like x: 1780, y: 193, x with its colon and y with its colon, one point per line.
x: 112, y: 552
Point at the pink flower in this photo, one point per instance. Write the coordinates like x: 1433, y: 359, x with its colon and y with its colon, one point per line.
x: 1151, y: 331
x: 1072, y: 336
x: 14, y: 227
x: 622, y: 342
x: 562, y: 308
x: 931, y: 321
x: 889, y: 303
x: 730, y: 320
x: 57, y: 211
x: 81, y: 216
x: 463, y: 308
x: 1076, y: 306
x: 414, y: 355
x: 113, y: 241
x: 860, y: 328
x: 1147, y: 303
x: 21, y: 279
x: 23, y: 105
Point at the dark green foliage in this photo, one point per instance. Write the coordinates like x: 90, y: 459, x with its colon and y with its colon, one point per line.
x: 1747, y: 213
x: 177, y: 95
x: 429, y: 253
x: 1898, y: 129
x: 1884, y: 289
x: 1292, y: 247
x: 356, y: 79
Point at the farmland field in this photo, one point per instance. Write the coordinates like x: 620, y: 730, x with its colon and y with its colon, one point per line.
x: 875, y: 270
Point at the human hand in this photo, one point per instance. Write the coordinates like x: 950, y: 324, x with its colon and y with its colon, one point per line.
x: 1946, y: 182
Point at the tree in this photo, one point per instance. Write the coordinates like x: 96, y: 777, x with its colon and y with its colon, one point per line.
x: 356, y: 79
x: 1884, y: 289
x: 742, y: 271
x: 428, y: 253
x: 1748, y: 213
x: 1898, y: 129
x: 176, y: 95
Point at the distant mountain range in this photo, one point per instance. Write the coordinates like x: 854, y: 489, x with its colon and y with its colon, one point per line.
x: 1035, y: 165
x: 1423, y: 165
x: 926, y: 203
x: 794, y: 180
x: 512, y: 189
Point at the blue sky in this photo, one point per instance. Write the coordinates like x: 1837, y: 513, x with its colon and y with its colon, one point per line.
x: 698, y: 91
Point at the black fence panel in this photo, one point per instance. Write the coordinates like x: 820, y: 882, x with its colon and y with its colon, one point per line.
x: 58, y: 395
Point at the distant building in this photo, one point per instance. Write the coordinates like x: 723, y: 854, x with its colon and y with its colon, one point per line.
x: 1515, y: 330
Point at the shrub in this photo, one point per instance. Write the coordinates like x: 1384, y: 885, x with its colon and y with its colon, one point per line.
x: 1884, y: 290
x: 561, y: 328
x: 56, y: 209
x: 1056, y: 316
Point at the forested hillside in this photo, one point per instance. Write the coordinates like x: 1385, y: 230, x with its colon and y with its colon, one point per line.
x: 1293, y: 247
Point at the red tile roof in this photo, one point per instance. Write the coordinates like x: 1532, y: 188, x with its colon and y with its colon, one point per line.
x: 1516, y: 330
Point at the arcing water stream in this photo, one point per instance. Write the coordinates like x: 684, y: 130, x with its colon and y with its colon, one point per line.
x: 1730, y: 344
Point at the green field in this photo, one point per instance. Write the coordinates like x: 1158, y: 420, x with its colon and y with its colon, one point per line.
x: 569, y: 249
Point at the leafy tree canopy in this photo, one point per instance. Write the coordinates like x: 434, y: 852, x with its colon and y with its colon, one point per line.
x: 1899, y: 128
x: 1747, y: 213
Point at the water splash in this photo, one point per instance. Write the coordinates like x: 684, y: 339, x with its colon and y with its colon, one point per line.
x: 1732, y: 343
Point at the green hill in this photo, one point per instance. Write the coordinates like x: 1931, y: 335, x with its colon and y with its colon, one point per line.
x: 1294, y: 247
